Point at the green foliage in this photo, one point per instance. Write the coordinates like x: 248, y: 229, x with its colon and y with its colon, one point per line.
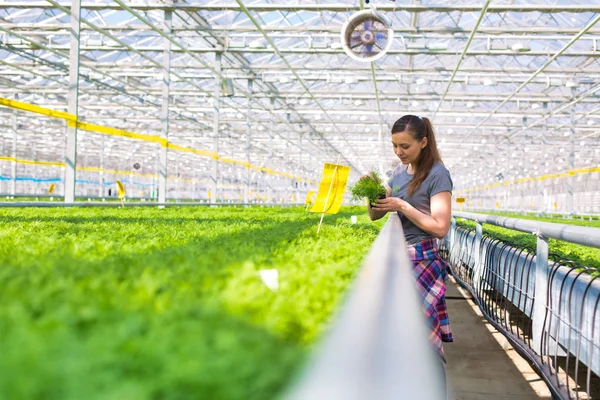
x: 556, y: 219
x: 143, y: 303
x: 369, y: 187
x: 581, y: 255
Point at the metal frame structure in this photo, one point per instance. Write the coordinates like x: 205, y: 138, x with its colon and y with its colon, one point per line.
x: 512, y: 89
x: 547, y: 308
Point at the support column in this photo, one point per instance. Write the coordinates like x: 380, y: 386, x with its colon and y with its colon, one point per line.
x: 266, y: 178
x: 73, y: 99
x: 164, y: 111
x: 34, y: 183
x: 542, y: 192
x: 13, y: 167
x: 248, y: 142
x: 541, y: 293
x: 571, y: 178
x: 216, y: 127
x: 101, y: 173
x: 478, y: 259
x: 298, y: 185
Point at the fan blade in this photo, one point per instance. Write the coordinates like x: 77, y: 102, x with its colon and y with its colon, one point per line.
x: 367, y: 25
x: 369, y: 48
x: 381, y: 36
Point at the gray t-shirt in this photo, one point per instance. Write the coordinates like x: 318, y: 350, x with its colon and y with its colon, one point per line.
x: 437, y: 181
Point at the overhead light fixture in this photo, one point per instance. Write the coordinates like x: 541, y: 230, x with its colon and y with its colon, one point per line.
x: 418, y: 45
x: 319, y: 44
x: 420, y: 81
x: 520, y: 47
x: 571, y: 84
x: 257, y: 44
x: 554, y: 81
x: 437, y: 46
x: 13, y: 41
x: 236, y: 42
x: 489, y: 82
x: 227, y: 87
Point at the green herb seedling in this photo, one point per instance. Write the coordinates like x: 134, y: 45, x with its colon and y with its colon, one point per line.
x: 369, y: 187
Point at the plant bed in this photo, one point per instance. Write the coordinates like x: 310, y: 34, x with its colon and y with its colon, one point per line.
x: 144, y: 303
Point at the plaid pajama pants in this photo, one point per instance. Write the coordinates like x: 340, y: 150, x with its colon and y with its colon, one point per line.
x: 430, y: 272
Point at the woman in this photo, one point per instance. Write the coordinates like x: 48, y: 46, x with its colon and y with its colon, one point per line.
x: 420, y: 191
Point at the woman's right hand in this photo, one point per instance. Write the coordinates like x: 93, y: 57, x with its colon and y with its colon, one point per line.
x: 367, y: 176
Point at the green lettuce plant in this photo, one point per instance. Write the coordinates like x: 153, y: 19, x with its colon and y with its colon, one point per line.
x: 148, y: 303
x: 369, y: 187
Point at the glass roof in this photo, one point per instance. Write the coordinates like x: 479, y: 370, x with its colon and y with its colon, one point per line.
x: 512, y: 87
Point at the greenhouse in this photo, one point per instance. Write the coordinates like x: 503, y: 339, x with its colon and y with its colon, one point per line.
x: 181, y: 213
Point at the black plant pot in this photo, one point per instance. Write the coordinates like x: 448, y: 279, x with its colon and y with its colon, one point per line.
x: 381, y: 196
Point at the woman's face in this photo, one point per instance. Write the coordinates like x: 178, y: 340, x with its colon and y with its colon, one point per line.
x: 406, y: 147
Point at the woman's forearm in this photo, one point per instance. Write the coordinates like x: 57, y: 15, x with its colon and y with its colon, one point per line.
x: 425, y: 222
x: 375, y: 214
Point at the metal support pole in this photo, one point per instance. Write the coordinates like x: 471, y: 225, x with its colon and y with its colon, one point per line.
x: 248, y: 142
x: 73, y: 99
x: 542, y: 192
x: 216, y: 123
x: 478, y: 262
x: 164, y: 111
x: 101, y: 173
x: 34, y: 183
x: 177, y: 181
x: 541, y: 290
x: 269, y: 187
x: 571, y: 165
x: 13, y: 186
x: 299, y: 166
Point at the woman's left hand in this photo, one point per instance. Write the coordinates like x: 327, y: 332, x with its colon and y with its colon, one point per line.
x: 391, y: 204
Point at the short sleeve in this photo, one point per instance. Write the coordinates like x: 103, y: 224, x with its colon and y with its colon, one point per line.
x: 440, y: 182
x: 395, y: 172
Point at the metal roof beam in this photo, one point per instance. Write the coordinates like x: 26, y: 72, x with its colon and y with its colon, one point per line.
x: 335, y: 7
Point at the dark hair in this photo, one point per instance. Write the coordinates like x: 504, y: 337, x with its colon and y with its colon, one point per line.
x: 420, y: 128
